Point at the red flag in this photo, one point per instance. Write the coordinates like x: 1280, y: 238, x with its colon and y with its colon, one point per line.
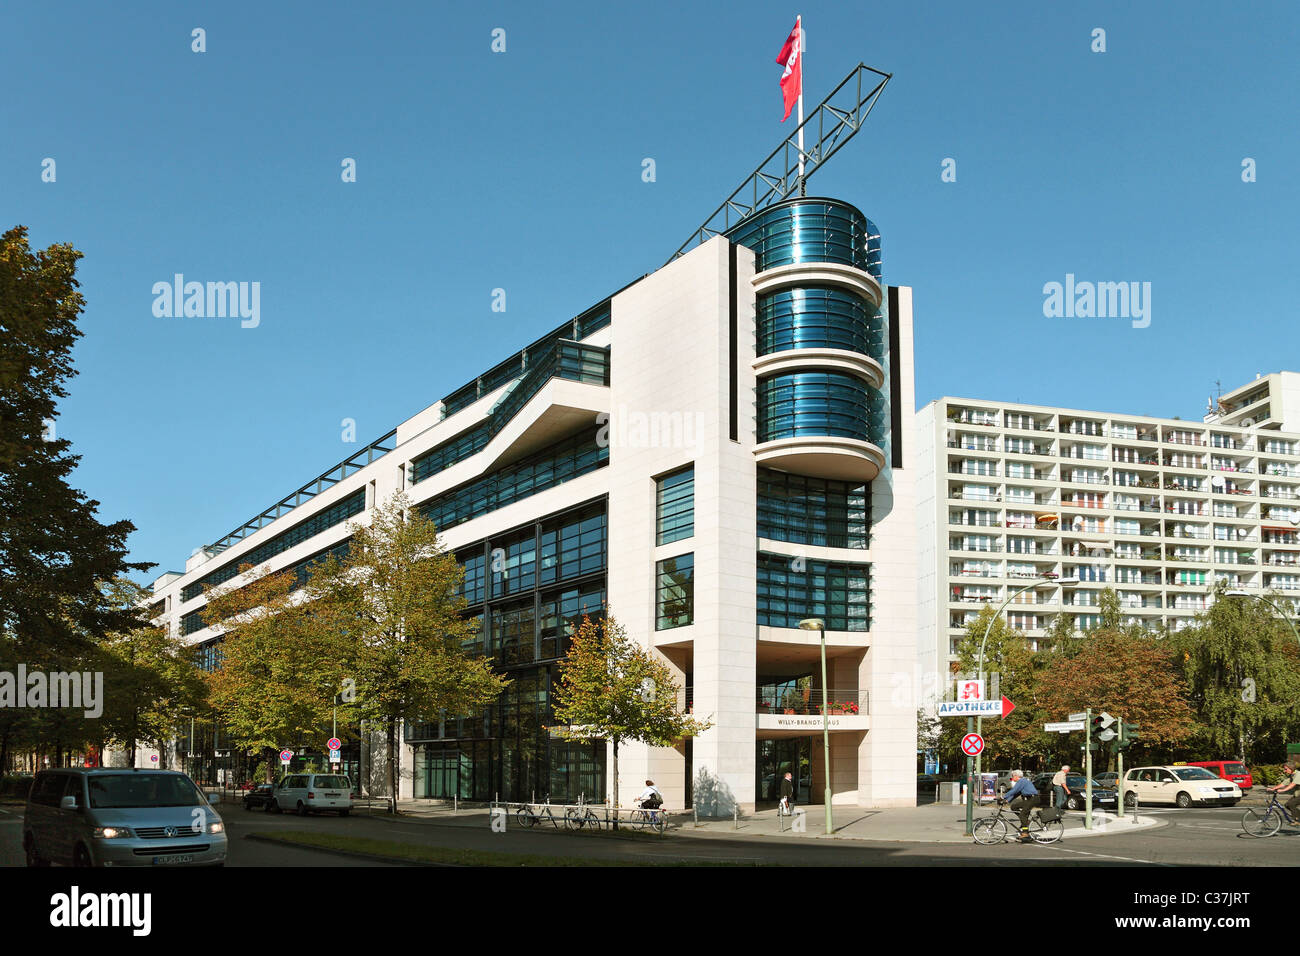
x: 792, y: 78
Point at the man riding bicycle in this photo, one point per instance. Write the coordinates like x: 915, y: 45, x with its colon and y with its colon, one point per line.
x: 1292, y: 786
x: 1022, y: 797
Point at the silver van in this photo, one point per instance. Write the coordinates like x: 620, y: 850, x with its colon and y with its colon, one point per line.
x: 111, y: 817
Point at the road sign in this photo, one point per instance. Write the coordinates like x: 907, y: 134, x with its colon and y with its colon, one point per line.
x: 1063, y: 727
x: 970, y: 690
x: 333, y: 743
x: 334, y: 756
x: 972, y: 745
x: 1077, y: 717
x: 286, y: 756
x: 976, y: 708
x: 153, y: 758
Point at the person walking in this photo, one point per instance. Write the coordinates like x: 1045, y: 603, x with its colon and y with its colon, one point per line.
x: 786, y: 806
x: 1061, y: 787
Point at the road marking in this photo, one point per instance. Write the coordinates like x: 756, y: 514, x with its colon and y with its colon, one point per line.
x: 1108, y: 856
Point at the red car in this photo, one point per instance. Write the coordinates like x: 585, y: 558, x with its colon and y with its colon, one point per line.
x: 1233, y: 770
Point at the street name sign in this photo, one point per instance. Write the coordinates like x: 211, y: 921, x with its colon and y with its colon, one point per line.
x: 1063, y: 727
x: 1078, y: 717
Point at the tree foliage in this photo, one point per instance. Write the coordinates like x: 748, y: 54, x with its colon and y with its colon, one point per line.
x: 613, y: 689
x: 55, y: 555
x: 397, y: 599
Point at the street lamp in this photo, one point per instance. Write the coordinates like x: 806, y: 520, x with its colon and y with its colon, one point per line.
x: 971, y: 723
x: 819, y: 625
x: 1238, y: 592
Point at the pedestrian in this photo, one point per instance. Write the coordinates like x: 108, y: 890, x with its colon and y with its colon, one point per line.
x: 787, y: 795
x: 1060, y: 787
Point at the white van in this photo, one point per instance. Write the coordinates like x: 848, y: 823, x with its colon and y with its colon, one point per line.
x: 306, y: 793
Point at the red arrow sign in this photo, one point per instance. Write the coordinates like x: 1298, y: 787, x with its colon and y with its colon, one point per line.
x: 1007, y: 706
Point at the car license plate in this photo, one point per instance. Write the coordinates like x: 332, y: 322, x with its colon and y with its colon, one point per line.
x: 173, y: 859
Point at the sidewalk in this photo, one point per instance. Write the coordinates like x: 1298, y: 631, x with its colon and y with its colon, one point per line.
x: 933, y: 823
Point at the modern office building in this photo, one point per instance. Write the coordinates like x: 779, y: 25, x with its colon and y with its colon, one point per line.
x: 1159, y: 509
x: 716, y: 452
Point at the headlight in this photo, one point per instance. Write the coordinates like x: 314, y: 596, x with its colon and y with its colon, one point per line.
x: 112, y: 833
x: 216, y: 828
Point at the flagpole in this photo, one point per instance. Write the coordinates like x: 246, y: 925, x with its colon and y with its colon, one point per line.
x: 798, y: 22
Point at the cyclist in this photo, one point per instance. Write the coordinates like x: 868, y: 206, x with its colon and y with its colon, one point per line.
x: 1292, y: 786
x: 651, y: 799
x: 1022, y: 797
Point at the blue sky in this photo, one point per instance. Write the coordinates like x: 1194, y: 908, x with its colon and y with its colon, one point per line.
x: 522, y: 170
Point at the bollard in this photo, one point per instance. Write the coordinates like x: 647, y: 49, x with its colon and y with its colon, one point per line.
x: 735, y: 817
x: 455, y: 803
x: 1135, y: 807
x: 695, y: 817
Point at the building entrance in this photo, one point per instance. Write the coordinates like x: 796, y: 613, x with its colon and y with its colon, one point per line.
x: 776, y: 758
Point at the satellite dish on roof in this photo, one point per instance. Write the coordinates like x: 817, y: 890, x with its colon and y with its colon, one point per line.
x: 1216, y: 481
x: 1247, y: 422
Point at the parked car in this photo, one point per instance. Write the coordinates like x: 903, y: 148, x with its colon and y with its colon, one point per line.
x: 1233, y: 770
x: 1108, y: 779
x: 112, y: 817
x: 259, y: 796
x: 306, y: 793
x: 1102, y: 798
x: 1181, y: 786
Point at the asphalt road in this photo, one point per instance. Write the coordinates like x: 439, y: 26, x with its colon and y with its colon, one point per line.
x: 1192, y: 837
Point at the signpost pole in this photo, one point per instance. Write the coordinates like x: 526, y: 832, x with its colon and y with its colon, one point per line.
x: 970, y: 782
x: 1087, y: 759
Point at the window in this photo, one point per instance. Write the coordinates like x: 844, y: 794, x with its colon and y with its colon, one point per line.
x: 675, y: 592
x: 788, y: 593
x: 675, y: 506
x: 816, y: 511
x: 336, y: 513
x: 792, y: 404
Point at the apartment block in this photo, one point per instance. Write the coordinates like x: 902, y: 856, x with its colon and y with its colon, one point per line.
x: 1159, y: 509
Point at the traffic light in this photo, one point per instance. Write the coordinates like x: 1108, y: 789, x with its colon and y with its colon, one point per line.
x: 1101, y: 731
x: 1128, y: 734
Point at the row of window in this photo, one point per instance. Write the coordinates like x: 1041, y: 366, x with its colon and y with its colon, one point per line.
x: 792, y: 589
x: 675, y: 506
x: 548, y: 552
x: 335, y: 514
x: 811, y: 230
x: 568, y: 459
x: 817, y: 317
x: 819, y: 403
x: 813, y: 511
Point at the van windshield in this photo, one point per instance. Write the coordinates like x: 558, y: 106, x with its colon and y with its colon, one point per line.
x: 124, y: 790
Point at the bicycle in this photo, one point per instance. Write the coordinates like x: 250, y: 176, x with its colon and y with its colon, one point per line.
x: 996, y: 829
x: 528, y: 816
x: 575, y: 818
x: 1266, y: 822
x: 652, y: 818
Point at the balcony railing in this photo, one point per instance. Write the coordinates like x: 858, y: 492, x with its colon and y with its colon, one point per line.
x: 842, y: 701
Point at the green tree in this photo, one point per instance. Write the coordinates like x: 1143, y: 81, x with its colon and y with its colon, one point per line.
x: 149, y: 678
x: 397, y: 599
x: 1242, y: 669
x: 54, y: 552
x: 280, y: 665
x: 613, y: 689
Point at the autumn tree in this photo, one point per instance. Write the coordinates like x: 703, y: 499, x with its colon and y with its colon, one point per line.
x: 1128, y: 675
x: 614, y: 689
x: 397, y: 600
